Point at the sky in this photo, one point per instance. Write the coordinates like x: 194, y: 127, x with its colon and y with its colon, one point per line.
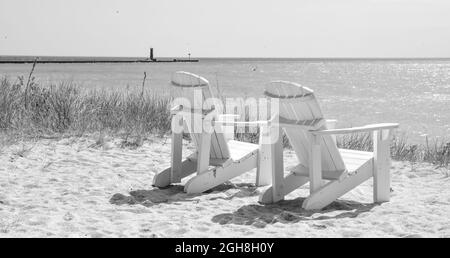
x: 226, y: 28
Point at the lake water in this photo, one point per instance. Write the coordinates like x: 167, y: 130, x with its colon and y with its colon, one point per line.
x: 415, y: 93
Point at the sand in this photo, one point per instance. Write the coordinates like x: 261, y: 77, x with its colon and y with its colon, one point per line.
x: 72, y: 187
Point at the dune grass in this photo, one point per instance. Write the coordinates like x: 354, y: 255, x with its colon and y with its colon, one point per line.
x: 65, y: 108
x: 437, y: 152
x: 28, y: 109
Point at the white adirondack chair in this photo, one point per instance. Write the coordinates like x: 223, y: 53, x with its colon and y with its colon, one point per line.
x: 331, y: 172
x: 218, y: 157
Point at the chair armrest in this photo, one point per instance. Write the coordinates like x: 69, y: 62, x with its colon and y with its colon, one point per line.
x: 224, y: 122
x: 366, y: 128
x: 331, y: 123
x: 176, y: 109
x: 179, y: 108
x: 259, y: 123
x: 224, y: 117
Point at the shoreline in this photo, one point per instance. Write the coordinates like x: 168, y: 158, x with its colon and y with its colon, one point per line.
x: 331, y: 59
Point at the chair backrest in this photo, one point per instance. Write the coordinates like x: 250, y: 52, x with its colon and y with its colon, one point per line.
x: 299, y: 104
x: 188, y: 83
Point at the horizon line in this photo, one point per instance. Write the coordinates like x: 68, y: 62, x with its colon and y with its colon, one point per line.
x: 218, y: 57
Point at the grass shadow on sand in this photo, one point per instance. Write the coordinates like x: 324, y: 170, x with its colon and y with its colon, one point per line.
x: 175, y: 193
x: 290, y: 211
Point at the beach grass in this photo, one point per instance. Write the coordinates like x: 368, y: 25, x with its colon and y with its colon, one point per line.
x: 29, y: 110
x: 65, y: 108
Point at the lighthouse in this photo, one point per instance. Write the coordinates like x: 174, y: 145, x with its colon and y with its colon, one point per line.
x: 151, y: 54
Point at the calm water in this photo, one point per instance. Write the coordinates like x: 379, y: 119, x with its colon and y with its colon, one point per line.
x: 415, y: 93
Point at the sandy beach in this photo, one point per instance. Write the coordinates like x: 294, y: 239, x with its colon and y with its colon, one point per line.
x: 71, y: 187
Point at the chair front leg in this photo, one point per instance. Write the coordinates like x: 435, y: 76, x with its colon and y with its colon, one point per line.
x: 277, y: 165
x: 177, y: 148
x: 382, y: 162
x: 204, y: 152
x: 265, y: 157
x: 315, y: 164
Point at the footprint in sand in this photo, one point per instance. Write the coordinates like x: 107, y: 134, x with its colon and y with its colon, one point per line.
x: 176, y: 232
x: 96, y: 235
x: 413, y: 236
x: 68, y: 216
x: 37, y: 223
x: 351, y: 234
x: 202, y: 229
x: 318, y: 226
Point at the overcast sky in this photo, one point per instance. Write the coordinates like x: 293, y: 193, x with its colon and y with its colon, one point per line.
x: 226, y: 28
